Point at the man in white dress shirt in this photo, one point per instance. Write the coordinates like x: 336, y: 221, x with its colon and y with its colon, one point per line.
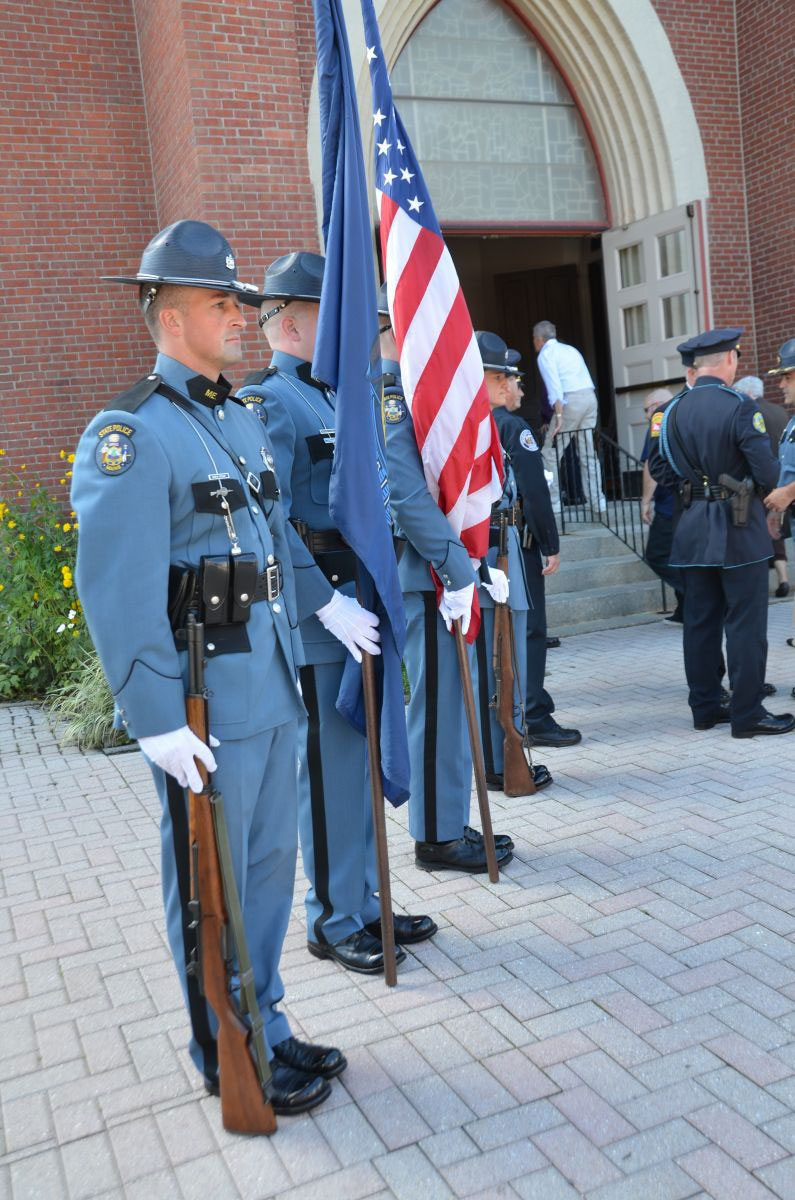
x: 570, y: 391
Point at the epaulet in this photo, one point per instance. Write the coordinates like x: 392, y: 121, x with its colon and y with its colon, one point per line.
x: 134, y: 397
x: 255, y: 378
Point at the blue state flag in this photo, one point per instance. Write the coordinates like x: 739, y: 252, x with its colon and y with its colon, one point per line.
x: 347, y: 359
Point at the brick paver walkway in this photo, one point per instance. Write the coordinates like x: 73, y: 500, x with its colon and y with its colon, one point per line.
x: 614, y: 1020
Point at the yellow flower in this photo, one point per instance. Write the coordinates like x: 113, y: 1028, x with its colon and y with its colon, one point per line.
x: 62, y: 481
x: 12, y: 524
x: 35, y: 595
x: 41, y: 537
x: 56, y: 549
x: 68, y: 474
x: 62, y: 454
x: 57, y: 524
x: 70, y: 458
x: 24, y: 467
x: 76, y: 633
x: 21, y: 537
x: 19, y: 493
x: 66, y: 526
x: 2, y: 452
x: 2, y: 585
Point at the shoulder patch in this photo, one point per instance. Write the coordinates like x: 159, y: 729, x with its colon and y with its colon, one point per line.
x: 656, y: 424
x: 134, y: 397
x: 527, y: 441
x: 255, y: 378
x: 115, y: 453
x: 254, y: 402
x: 759, y: 422
x: 395, y: 409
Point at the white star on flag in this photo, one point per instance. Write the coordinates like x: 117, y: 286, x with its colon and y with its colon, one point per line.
x: 416, y: 204
x: 378, y: 118
x: 406, y: 174
x: 389, y: 177
x: 371, y: 54
x: 400, y: 146
x: 384, y: 147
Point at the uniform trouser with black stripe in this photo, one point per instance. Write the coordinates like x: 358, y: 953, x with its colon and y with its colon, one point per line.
x: 490, y: 729
x: 439, y: 750
x: 257, y: 778
x: 335, y: 817
x: 733, y: 599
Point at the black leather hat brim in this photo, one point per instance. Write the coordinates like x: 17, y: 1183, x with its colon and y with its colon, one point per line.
x: 243, y: 293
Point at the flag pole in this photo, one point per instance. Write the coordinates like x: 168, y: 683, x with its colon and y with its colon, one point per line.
x: 379, y: 820
x: 477, y: 754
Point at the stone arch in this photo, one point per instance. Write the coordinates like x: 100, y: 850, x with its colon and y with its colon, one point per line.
x: 617, y: 60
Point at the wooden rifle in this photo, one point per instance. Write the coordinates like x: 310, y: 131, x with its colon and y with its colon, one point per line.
x: 517, y: 762
x: 221, y: 958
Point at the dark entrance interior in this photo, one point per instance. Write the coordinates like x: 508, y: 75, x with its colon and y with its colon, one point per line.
x: 510, y: 283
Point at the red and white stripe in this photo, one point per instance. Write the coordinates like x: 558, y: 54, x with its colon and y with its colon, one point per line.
x: 442, y: 375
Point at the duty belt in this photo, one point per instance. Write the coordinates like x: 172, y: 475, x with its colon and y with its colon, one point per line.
x: 709, y: 492
x: 504, y: 516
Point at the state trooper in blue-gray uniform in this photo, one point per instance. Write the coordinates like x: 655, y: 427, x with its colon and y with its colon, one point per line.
x: 500, y: 384
x: 334, y: 806
x: 177, y: 503
x: 784, y: 372
x: 540, y: 556
x: 439, y: 749
x: 712, y: 445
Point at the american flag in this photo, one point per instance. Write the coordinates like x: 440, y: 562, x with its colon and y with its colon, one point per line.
x: 440, y: 364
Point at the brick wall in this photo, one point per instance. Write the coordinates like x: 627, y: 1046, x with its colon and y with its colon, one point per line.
x: 77, y: 190
x: 702, y: 38
x: 765, y: 44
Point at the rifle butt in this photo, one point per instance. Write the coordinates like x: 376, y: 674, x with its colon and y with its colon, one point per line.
x: 517, y: 775
x: 244, y: 1109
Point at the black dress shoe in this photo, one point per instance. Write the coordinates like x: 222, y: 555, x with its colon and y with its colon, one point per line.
x: 781, y: 591
x: 459, y: 855
x: 553, y: 643
x: 554, y: 736
x: 769, y: 723
x: 721, y: 717
x: 292, y: 1091
x: 360, y: 952
x: 542, y: 776
x: 295, y: 1091
x: 768, y: 689
x: 314, y: 1060
x: 408, y: 929
x: 475, y: 838
x: 494, y: 780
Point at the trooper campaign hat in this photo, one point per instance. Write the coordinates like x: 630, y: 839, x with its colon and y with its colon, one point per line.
x: 493, y: 350
x: 786, y: 359
x: 711, y: 341
x: 295, y: 276
x: 189, y: 254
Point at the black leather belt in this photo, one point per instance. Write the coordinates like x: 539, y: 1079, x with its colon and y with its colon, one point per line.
x: 319, y: 541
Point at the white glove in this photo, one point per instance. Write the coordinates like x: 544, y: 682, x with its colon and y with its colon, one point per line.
x: 356, y: 627
x: 174, y: 752
x: 498, y: 588
x: 457, y: 604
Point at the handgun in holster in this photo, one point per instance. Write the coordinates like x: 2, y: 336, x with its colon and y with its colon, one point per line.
x: 740, y: 499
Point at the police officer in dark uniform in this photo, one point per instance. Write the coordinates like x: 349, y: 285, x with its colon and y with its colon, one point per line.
x: 334, y: 805
x: 501, y: 386
x: 540, y: 555
x: 177, y: 503
x: 712, y: 445
x: 439, y: 750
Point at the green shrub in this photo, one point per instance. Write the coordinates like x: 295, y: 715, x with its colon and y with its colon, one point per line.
x: 85, y: 706
x: 42, y: 634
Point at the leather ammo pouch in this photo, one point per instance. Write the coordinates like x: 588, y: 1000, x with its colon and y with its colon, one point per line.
x: 222, y: 590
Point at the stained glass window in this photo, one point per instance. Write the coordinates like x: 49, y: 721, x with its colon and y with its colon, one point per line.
x: 496, y: 131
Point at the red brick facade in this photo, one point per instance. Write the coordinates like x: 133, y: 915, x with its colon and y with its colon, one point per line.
x: 120, y: 116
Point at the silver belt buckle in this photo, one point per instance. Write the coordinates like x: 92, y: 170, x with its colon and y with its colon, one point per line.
x: 273, y: 581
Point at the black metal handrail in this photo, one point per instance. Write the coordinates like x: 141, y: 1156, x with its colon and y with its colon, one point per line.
x: 600, y: 481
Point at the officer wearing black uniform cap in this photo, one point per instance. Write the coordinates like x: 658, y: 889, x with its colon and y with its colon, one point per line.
x: 177, y: 499
x: 711, y: 444
x: 540, y: 539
